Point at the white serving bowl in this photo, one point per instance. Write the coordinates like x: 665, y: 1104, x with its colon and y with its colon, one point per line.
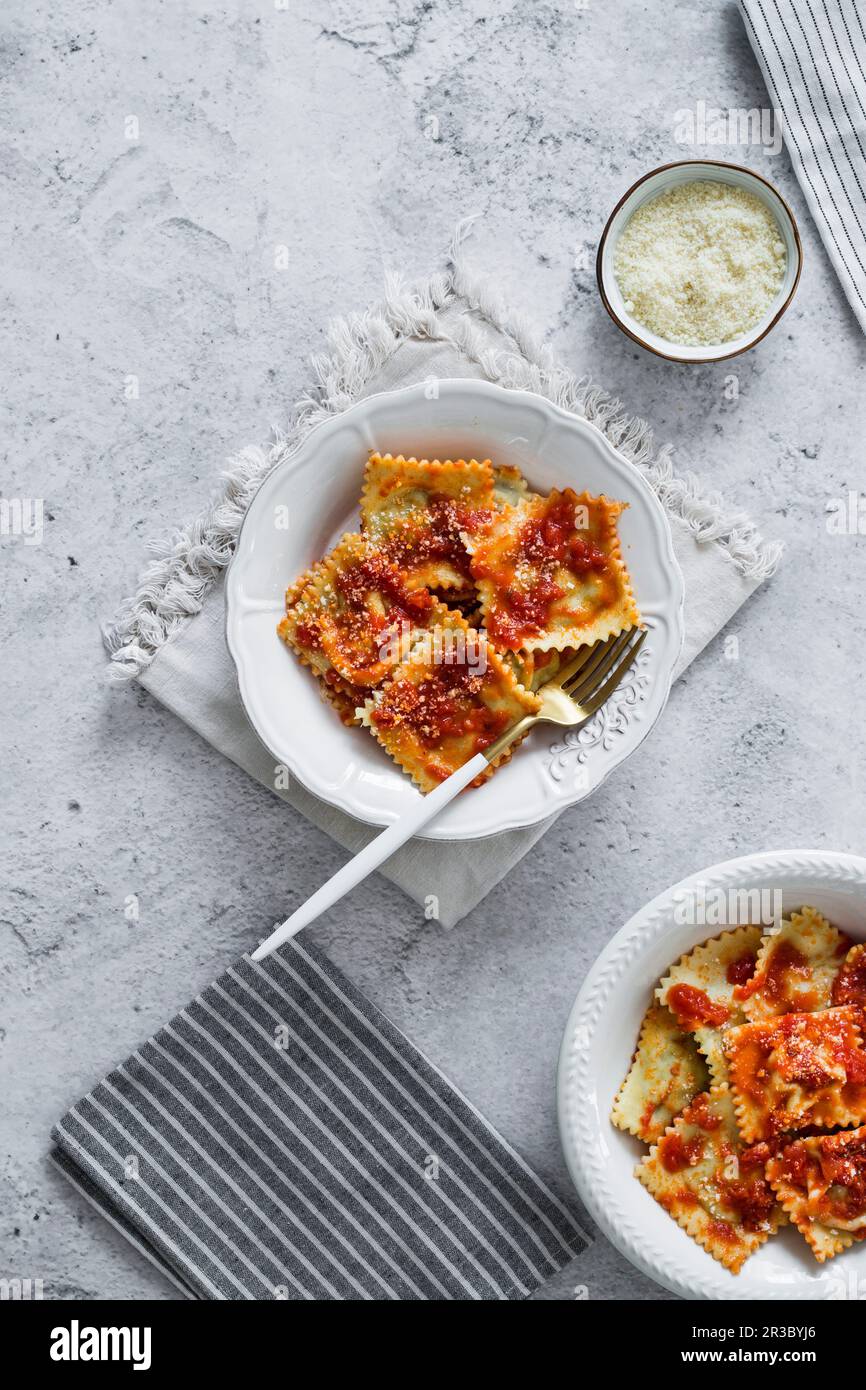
x: 660, y: 181
x: 597, y: 1049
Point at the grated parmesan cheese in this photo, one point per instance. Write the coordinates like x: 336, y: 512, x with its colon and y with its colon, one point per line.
x: 701, y: 263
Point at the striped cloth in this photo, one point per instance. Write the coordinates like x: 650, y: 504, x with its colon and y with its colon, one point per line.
x: 280, y: 1138
x: 813, y: 55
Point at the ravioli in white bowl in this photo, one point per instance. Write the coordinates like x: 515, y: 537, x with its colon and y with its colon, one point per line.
x: 712, y: 1081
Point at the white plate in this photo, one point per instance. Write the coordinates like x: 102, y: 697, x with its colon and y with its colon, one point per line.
x: 320, y: 484
x: 599, y: 1041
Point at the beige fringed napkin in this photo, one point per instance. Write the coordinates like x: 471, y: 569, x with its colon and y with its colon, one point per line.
x: 170, y: 636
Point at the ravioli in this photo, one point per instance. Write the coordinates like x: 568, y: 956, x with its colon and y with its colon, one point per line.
x: 821, y: 1183
x: 354, y: 617
x: 666, y: 1073
x: 448, y: 700
x: 796, y: 968
x: 550, y: 573
x: 420, y: 512
x: 710, y: 1183
x: 701, y: 990
x: 798, y: 1071
x: 849, y: 986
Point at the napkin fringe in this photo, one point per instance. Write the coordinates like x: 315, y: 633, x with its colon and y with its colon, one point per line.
x: 173, y: 586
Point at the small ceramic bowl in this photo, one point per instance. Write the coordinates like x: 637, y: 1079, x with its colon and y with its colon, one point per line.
x: 660, y: 181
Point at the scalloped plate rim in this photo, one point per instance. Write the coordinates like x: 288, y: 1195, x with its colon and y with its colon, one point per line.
x: 506, y: 819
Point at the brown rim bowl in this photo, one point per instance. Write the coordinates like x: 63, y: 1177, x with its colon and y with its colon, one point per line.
x: 660, y: 181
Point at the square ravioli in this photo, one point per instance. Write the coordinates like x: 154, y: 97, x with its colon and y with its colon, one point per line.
x: 796, y: 968
x: 702, y: 990
x: 451, y: 698
x: 353, y: 617
x: 798, y: 1071
x: 666, y: 1073
x: 821, y: 1184
x: 710, y: 1183
x: 418, y: 512
x: 550, y: 573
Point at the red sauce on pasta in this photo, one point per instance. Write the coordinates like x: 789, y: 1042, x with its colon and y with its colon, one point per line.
x: 741, y: 970
x: 445, y: 704
x: 843, y: 1168
x: 524, y: 576
x: 522, y: 613
x: 360, y: 625
x: 435, y: 534
x: 701, y: 1112
x: 555, y: 538
x: 838, y: 1166
x: 676, y: 1153
x: 757, y: 1155
x: 752, y: 1200
x: 849, y: 987
x: 374, y: 575
x: 746, y: 1192
x: 309, y: 636
x: 785, y: 964
x: 694, y: 1007
x: 722, y: 1232
x: 814, y: 1046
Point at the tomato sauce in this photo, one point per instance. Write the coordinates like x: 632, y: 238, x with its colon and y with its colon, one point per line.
x: 849, y: 987
x: 815, y: 1045
x: 752, y: 1200
x: 554, y: 537
x: 676, y: 1153
x: 701, y: 1113
x: 376, y: 606
x: 436, y: 535
x: 757, y: 1155
x: 309, y: 636
x: 525, y: 576
x: 722, y: 1232
x: 741, y: 970
x: 374, y: 574
x: 694, y: 1008
x: 785, y: 962
x: 522, y: 613
x: 443, y: 705
x: 843, y: 1168
x: 838, y: 1163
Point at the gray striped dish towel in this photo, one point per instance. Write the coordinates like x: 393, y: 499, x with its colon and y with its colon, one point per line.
x: 281, y: 1139
x: 813, y: 56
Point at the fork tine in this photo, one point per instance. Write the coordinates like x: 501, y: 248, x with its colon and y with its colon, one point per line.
x: 575, y: 665
x: 614, y: 679
x: 603, y: 657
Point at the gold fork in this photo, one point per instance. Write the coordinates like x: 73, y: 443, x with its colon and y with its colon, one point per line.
x: 579, y: 688
x: 575, y: 694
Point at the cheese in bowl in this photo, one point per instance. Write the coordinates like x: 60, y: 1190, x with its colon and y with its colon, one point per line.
x: 701, y: 263
x: 699, y: 260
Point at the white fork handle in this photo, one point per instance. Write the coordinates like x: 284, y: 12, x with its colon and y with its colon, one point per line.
x: 373, y: 854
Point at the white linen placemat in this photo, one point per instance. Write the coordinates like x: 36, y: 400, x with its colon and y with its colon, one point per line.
x: 813, y: 56
x: 170, y: 636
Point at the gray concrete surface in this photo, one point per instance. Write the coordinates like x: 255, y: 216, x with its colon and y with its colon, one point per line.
x: 356, y: 135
